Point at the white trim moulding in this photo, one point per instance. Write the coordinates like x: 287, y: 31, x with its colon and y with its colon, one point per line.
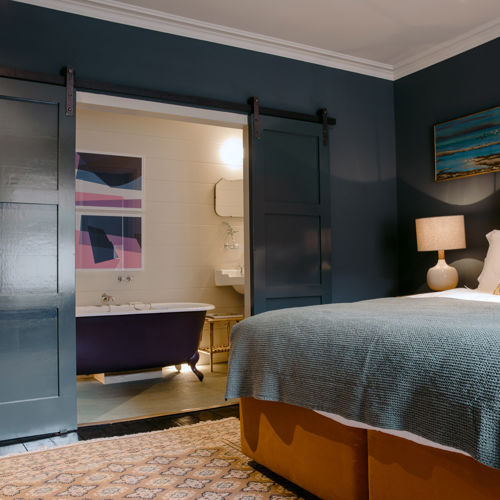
x: 118, y: 12
x: 473, y: 38
x: 171, y: 111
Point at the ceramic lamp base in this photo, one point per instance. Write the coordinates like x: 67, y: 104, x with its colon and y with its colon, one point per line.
x: 442, y: 276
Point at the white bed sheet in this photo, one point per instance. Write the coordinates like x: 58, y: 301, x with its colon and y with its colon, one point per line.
x: 456, y: 293
x: 462, y: 294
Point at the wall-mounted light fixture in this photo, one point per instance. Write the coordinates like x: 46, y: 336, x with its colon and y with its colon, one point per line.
x: 231, y: 152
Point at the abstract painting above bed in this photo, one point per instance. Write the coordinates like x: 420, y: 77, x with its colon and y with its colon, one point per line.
x: 468, y: 146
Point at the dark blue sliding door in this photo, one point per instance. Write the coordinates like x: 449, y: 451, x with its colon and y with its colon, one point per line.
x: 290, y: 215
x: 37, y: 278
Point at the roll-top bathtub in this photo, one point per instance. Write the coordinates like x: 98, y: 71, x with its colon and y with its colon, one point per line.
x: 135, y: 336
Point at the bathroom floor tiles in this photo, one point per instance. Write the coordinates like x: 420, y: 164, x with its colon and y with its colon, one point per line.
x: 174, y: 393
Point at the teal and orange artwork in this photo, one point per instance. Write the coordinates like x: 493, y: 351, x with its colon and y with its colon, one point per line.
x: 108, y: 181
x: 468, y: 146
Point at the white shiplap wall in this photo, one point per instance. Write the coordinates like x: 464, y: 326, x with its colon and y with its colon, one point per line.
x: 183, y: 238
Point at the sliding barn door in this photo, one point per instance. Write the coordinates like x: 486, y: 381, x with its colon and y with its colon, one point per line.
x: 290, y: 214
x: 37, y: 332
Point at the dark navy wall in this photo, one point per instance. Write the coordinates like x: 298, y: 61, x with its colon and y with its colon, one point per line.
x: 362, y: 159
x: 461, y: 85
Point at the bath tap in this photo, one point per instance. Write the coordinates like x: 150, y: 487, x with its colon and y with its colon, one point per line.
x: 125, y: 278
x: 106, y: 299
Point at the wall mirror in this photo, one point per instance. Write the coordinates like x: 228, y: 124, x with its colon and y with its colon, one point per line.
x: 229, y: 198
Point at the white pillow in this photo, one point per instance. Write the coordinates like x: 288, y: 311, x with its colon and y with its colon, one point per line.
x: 489, y: 278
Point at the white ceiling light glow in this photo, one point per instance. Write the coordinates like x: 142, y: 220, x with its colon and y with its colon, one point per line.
x: 231, y: 152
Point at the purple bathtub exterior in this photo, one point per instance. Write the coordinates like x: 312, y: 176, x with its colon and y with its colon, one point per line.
x: 127, y: 342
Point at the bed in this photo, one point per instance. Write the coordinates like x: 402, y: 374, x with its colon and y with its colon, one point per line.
x: 386, y: 399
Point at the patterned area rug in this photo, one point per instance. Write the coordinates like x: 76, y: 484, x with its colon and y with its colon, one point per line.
x: 200, y: 461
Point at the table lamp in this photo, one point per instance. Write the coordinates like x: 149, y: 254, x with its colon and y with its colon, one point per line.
x: 441, y: 233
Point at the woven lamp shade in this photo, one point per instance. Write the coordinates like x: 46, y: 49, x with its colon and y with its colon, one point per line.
x: 440, y: 233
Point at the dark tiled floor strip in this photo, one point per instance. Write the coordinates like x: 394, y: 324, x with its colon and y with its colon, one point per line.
x: 144, y: 425
x: 119, y: 429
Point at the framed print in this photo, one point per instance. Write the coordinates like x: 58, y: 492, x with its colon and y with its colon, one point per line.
x: 108, y: 242
x: 467, y: 146
x: 108, y: 181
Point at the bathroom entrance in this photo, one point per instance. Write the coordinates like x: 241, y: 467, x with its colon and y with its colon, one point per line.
x: 115, y: 236
x: 160, y: 255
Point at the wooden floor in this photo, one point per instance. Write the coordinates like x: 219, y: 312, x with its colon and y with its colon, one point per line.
x: 119, y: 429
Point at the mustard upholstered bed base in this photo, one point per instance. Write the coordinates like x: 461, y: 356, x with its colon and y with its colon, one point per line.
x: 314, y: 452
x: 337, y: 462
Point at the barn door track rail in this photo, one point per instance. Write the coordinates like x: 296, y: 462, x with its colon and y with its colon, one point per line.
x: 69, y: 78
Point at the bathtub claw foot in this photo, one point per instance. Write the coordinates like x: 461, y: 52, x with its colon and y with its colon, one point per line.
x: 197, y: 372
x: 192, y: 363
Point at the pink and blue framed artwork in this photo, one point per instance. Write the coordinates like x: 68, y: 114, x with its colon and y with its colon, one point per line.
x: 468, y: 146
x: 108, y: 181
x: 108, y: 242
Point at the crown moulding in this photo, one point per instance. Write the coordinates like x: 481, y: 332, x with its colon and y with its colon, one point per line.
x: 118, y: 12
x: 453, y: 47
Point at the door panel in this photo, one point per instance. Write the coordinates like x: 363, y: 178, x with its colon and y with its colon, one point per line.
x: 291, y: 260
x: 286, y: 152
x: 28, y: 348
x: 28, y: 248
x: 28, y: 144
x: 290, y: 215
x: 37, y: 325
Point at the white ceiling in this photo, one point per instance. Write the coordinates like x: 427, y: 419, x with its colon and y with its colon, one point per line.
x: 384, y: 38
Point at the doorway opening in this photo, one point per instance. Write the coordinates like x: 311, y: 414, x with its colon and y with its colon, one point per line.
x: 161, y: 229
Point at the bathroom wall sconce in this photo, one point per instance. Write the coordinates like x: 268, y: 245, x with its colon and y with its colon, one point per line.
x: 441, y: 233
x: 231, y: 152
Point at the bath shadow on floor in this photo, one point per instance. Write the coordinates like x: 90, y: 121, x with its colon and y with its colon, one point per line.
x: 174, y: 393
